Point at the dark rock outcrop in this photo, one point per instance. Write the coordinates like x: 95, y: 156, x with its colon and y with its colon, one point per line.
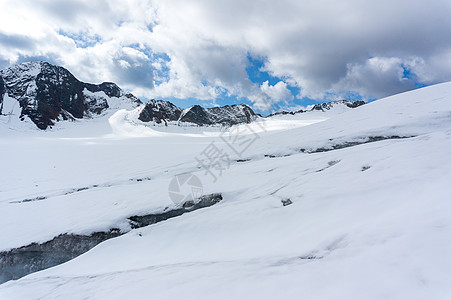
x: 109, y: 88
x: 35, y: 257
x: 202, y: 202
x: 163, y: 111
x: 356, y: 142
x: 48, y: 93
x: 21, y: 261
x: 354, y: 104
x: 283, y: 113
x: 196, y: 114
x: 2, y: 93
x: 329, y: 105
x: 226, y: 115
x: 159, y: 111
x: 322, y: 107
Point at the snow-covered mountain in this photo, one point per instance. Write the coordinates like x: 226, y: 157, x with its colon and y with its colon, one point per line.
x: 43, y: 94
x: 346, y: 204
x: 47, y: 93
x: 333, y: 104
x: 159, y: 111
x: 226, y: 115
x: 338, y: 106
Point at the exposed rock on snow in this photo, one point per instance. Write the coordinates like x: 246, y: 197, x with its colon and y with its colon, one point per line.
x: 358, y: 141
x: 226, y: 115
x: 159, y: 111
x: 48, y: 93
x: 35, y: 257
x: 2, y: 93
x: 286, y: 202
x: 163, y: 111
x: 203, y: 201
x: 329, y: 105
x: 21, y: 261
x: 323, y: 107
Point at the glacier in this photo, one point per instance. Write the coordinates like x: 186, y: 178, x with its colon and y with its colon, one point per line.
x: 346, y: 204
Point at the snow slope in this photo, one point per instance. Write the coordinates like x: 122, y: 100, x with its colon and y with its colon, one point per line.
x: 369, y: 219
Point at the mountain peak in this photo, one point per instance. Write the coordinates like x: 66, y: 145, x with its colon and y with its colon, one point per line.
x: 159, y: 111
x: 47, y: 93
x: 331, y: 104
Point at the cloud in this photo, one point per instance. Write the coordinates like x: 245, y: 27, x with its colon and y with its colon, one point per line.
x: 16, y: 41
x: 200, y: 48
x: 378, y: 76
x: 271, y: 95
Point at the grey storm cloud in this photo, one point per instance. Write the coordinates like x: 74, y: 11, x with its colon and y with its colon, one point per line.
x: 322, y: 47
x: 16, y: 41
x: 133, y: 71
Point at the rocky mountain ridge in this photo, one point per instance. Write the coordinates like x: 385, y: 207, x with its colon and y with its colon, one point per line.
x: 48, y: 93
x: 323, y: 107
x: 160, y: 111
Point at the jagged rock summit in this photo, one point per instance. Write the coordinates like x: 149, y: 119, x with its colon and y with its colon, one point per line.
x: 48, y: 93
x: 159, y: 111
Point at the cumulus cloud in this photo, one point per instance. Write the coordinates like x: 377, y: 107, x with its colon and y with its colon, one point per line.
x: 271, y: 95
x: 200, y: 48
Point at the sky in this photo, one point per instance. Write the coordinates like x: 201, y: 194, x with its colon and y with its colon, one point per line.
x: 264, y: 53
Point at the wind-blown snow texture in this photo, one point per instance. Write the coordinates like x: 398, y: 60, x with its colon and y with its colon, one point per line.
x: 368, y: 221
